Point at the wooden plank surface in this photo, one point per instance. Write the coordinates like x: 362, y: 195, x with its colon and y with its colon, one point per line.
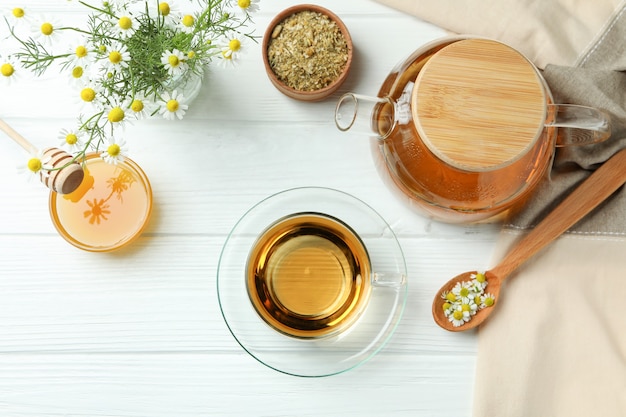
x: 139, y: 332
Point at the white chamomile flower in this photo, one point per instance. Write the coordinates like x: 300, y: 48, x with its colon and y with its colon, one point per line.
x: 487, y: 300
x: 9, y: 69
x: 449, y: 296
x: 168, y: 10
x: 115, y: 152
x: 187, y: 23
x: 90, y: 98
x: 139, y: 107
x: 479, y: 280
x: 231, y: 48
x: 117, y: 58
x: 173, y: 106
x: 459, y: 317
x: 462, y: 290
x: 448, y: 308
x: 79, y: 75
x: 45, y: 30
x: 174, y: 62
x: 36, y: 166
x: 115, y: 112
x: 81, y: 54
x: 18, y: 17
x: 470, y: 306
x: 125, y: 26
x: 72, y: 140
x: 248, y: 6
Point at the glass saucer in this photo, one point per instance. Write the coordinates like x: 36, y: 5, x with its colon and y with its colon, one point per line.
x: 336, y: 352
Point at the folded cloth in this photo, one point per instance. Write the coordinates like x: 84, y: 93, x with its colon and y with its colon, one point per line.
x: 557, y: 344
x: 560, y: 32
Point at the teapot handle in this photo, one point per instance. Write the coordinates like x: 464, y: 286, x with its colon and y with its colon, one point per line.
x: 578, y: 125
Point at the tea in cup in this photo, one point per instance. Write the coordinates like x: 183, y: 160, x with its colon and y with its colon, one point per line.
x: 308, y: 275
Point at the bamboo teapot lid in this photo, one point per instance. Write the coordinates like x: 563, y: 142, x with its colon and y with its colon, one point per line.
x: 479, y: 104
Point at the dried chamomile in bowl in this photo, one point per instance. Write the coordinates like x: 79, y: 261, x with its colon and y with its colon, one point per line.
x: 307, y: 51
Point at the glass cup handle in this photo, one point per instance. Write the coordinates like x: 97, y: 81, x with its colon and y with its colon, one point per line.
x: 578, y: 125
x: 388, y: 279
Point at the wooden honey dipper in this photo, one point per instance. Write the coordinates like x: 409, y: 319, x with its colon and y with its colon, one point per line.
x: 65, y: 175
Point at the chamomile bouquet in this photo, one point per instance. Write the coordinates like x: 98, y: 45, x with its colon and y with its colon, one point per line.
x: 128, y: 59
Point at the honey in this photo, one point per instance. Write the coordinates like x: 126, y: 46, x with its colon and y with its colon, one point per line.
x: 108, y: 210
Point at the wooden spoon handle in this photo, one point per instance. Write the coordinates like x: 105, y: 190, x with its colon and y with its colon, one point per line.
x: 17, y: 137
x: 593, y: 191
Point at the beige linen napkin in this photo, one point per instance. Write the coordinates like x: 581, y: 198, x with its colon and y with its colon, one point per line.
x: 559, y: 32
x: 557, y: 345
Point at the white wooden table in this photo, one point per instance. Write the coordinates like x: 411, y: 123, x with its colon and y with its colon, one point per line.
x: 139, y: 332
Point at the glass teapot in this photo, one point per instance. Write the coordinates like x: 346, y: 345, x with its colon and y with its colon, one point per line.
x: 466, y: 127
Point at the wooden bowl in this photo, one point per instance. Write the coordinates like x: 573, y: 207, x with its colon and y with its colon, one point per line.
x: 312, y: 80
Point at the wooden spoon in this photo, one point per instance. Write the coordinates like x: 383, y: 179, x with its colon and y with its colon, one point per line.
x: 65, y: 175
x: 593, y: 191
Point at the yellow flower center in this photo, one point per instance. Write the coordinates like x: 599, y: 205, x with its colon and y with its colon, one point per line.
x: 77, y: 72
x: 489, y: 301
x: 125, y: 23
x: 458, y: 315
x: 18, y: 12
x: 81, y: 51
x: 188, y: 20
x: 173, y: 60
x: 114, y: 150
x: 87, y: 94
x: 71, y: 139
x: 116, y: 115
x: 47, y: 29
x: 234, y: 45
x: 480, y: 277
x: 34, y: 164
x: 446, y: 306
x: 451, y: 297
x: 465, y: 307
x: 172, y: 106
x: 136, y: 106
x: 164, y: 8
x: 115, y: 57
x: 244, y: 4
x: 191, y: 54
x: 102, y: 48
x: 464, y: 292
x: 7, y: 69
